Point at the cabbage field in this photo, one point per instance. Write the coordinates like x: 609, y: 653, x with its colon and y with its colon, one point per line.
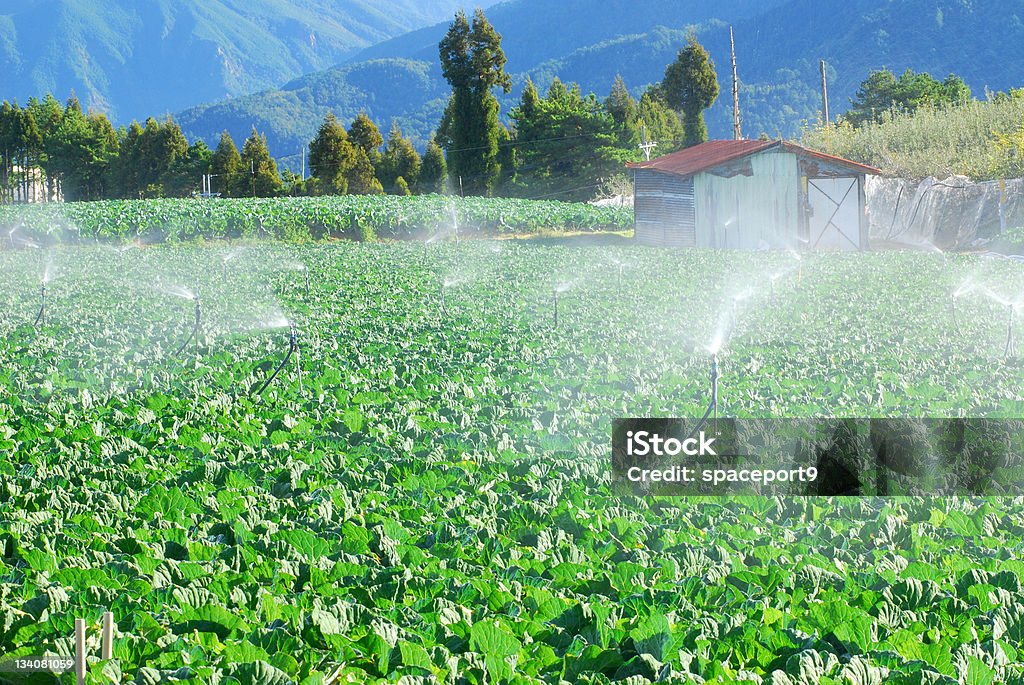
x: 422, y: 494
x: 361, y: 217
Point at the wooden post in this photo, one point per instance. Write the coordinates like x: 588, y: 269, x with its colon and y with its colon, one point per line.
x: 824, y: 93
x: 107, y: 642
x: 736, y: 134
x: 80, y: 651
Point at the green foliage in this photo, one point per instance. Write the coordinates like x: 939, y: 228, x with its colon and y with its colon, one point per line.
x: 259, y: 175
x: 434, y: 169
x: 566, y: 144
x: 226, y: 165
x: 339, y: 164
x: 305, y: 218
x: 690, y: 86
x: 473, y: 64
x: 883, y: 92
x: 432, y: 501
x: 980, y: 140
x: 399, y: 161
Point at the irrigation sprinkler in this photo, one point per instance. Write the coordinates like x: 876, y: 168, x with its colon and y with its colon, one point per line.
x: 197, y: 326
x: 1009, y: 351
x: 555, y: 293
x: 41, y: 316
x: 712, y: 410
x: 305, y: 274
x: 293, y: 350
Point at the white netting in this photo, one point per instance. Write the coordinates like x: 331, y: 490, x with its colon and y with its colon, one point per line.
x: 953, y: 213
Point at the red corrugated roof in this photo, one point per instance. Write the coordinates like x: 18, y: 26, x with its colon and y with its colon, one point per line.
x: 714, y: 153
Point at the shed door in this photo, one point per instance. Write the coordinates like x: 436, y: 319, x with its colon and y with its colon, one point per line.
x: 834, y: 220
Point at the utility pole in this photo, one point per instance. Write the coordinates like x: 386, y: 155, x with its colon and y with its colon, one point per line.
x: 252, y: 169
x: 644, y: 145
x: 303, y: 162
x: 824, y: 93
x: 736, y: 133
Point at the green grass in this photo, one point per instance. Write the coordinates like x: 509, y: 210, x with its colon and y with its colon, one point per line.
x: 434, y: 502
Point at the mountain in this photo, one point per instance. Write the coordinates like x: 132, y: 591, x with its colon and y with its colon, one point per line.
x: 134, y: 59
x: 401, y: 79
x: 778, y: 42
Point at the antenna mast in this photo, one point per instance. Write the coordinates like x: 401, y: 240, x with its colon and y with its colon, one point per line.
x: 736, y: 134
x: 644, y: 145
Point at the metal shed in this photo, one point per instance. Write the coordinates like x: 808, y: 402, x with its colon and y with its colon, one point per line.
x: 749, y: 194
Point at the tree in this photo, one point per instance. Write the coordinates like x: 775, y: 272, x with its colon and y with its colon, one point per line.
x: 433, y: 169
x: 128, y: 168
x: 339, y: 165
x: 690, y: 86
x: 365, y: 134
x: 185, y: 176
x: 259, y: 170
x: 473, y: 64
x: 400, y: 160
x: 567, y: 143
x: 329, y: 153
x: 623, y: 110
x: 226, y: 165
x: 660, y: 122
x: 80, y: 153
x: 883, y: 92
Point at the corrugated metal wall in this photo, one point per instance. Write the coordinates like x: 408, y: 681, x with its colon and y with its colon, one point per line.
x: 748, y: 212
x: 664, y: 209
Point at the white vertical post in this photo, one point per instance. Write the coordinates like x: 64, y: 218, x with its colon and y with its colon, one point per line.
x: 107, y: 642
x: 80, y: 651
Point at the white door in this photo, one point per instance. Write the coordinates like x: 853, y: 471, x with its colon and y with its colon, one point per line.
x: 834, y: 220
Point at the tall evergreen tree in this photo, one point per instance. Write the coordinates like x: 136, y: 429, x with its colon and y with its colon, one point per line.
x: 330, y: 154
x: 473, y: 64
x: 365, y: 134
x: 661, y: 124
x: 400, y: 160
x: 567, y: 143
x: 259, y: 170
x: 434, y: 169
x: 623, y: 110
x: 690, y: 86
x: 226, y: 166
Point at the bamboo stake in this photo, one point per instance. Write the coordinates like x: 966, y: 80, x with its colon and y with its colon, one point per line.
x: 107, y: 642
x: 80, y: 651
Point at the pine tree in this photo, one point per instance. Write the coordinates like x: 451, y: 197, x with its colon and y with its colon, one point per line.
x: 473, y: 64
x: 623, y: 110
x: 434, y: 169
x: 690, y: 86
x: 364, y: 133
x: 400, y: 160
x: 226, y: 166
x: 259, y: 170
x: 329, y: 153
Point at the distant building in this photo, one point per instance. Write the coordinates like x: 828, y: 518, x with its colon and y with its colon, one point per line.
x: 749, y: 194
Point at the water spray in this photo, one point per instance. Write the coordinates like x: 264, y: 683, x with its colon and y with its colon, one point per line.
x: 293, y: 351
x: 197, y: 326
x: 41, y: 316
x: 712, y: 410
x: 1009, y: 351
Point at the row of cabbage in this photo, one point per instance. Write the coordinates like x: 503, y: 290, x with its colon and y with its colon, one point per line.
x: 304, y: 218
